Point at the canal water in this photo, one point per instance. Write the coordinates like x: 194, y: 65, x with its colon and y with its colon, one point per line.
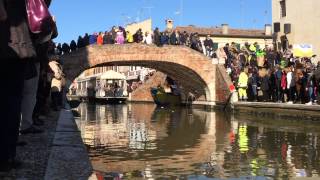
x: 141, y: 141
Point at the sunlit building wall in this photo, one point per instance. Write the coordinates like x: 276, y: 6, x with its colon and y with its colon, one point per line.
x: 304, y: 19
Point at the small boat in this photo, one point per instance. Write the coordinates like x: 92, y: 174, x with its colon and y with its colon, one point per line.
x: 74, y: 103
x: 112, y: 100
x: 163, y: 98
x: 108, y: 87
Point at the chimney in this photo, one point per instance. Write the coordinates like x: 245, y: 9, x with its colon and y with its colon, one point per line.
x: 268, y: 30
x: 169, y: 24
x: 225, y: 29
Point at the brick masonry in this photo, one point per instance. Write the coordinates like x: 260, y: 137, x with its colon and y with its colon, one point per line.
x: 191, y: 69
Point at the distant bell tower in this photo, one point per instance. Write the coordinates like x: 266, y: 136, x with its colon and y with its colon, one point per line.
x: 169, y: 24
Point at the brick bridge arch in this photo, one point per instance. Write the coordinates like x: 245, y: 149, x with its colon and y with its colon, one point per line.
x: 191, y: 69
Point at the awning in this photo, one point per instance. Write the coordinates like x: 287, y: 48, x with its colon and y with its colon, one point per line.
x: 112, y: 75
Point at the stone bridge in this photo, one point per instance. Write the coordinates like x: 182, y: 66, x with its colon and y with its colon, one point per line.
x: 193, y: 71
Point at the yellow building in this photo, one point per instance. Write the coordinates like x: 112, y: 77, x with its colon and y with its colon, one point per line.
x: 301, y: 19
x: 145, y: 26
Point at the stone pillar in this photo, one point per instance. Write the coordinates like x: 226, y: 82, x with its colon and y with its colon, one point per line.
x: 169, y: 24
x: 225, y: 29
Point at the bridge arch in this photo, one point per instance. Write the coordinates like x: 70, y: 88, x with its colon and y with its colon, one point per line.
x: 193, y: 71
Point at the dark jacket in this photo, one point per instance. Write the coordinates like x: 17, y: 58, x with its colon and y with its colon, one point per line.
x: 65, y: 48
x: 80, y: 43
x: 15, y: 38
x: 264, y: 83
x: 164, y: 39
x: 107, y: 39
x: 92, y: 39
x: 73, y: 45
x: 86, y: 40
x: 174, y: 39
x: 156, y: 37
x: 208, y: 43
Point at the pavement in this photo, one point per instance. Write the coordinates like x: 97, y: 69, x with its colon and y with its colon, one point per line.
x: 57, y: 153
x: 36, y: 153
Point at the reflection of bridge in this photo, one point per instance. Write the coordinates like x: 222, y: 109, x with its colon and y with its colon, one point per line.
x: 194, y: 71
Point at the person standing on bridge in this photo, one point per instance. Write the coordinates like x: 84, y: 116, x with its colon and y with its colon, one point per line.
x: 129, y: 37
x: 156, y: 37
x: 107, y: 38
x: 73, y: 46
x: 208, y: 44
x: 93, y: 39
x: 100, y: 39
x: 80, y: 43
x: 120, y: 37
x: 147, y: 38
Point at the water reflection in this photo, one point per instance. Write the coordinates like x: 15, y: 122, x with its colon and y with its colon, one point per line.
x: 142, y: 141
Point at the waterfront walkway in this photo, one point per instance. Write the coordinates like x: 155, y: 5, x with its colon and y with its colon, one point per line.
x: 58, y: 153
x: 280, y: 111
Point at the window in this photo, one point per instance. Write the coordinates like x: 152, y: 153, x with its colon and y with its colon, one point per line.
x: 215, y: 46
x: 283, y: 10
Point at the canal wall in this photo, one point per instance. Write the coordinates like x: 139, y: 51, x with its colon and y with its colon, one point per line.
x: 277, y: 111
x: 142, y: 93
x: 68, y: 158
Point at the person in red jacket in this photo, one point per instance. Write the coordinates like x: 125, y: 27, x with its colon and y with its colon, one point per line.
x: 100, y: 39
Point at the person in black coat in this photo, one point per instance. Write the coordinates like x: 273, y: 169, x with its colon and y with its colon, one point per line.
x: 107, y: 38
x: 86, y: 40
x: 59, y: 49
x: 65, y: 48
x: 156, y: 37
x: 253, y: 86
x: 138, y: 36
x: 173, y: 39
x: 184, y: 38
x: 164, y: 38
x: 208, y: 44
x: 265, y: 88
x: 80, y: 43
x: 73, y: 46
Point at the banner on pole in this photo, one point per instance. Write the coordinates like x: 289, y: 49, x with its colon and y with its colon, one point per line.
x: 302, y: 50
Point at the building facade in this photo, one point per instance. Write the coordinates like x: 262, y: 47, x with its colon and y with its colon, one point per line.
x: 297, y: 22
x: 224, y: 34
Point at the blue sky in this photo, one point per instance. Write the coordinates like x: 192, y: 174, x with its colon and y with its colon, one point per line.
x: 76, y: 17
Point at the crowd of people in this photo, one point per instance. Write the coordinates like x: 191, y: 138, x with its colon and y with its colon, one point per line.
x: 28, y: 79
x: 268, y: 75
x: 259, y: 74
x: 118, y: 35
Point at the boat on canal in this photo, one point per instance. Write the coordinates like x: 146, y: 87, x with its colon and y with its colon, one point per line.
x: 166, y: 95
x: 108, y: 87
